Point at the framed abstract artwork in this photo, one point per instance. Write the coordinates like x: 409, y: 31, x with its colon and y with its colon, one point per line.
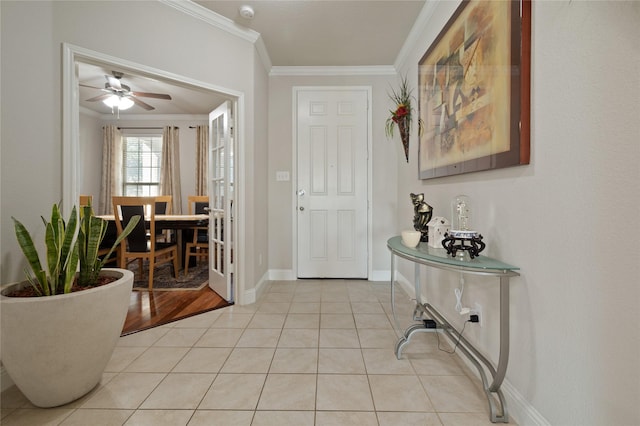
x: 474, y: 90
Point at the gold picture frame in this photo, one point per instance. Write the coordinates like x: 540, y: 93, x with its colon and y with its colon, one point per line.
x: 474, y: 90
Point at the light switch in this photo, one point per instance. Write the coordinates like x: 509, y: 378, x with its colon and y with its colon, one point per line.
x: 282, y: 176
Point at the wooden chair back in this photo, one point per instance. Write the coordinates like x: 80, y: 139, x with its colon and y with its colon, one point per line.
x: 138, y: 245
x: 163, y: 204
x: 197, y: 204
x: 199, y: 245
x: 86, y: 200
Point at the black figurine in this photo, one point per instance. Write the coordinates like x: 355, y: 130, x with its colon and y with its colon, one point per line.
x: 422, y: 215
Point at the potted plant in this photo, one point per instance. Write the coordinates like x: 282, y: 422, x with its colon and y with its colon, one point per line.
x: 60, y: 327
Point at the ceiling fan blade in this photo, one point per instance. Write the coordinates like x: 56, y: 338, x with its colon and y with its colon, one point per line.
x: 152, y: 95
x: 114, y: 82
x: 99, y: 97
x: 142, y: 104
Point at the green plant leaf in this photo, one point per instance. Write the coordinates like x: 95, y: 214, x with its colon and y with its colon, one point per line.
x: 39, y: 280
x: 125, y: 232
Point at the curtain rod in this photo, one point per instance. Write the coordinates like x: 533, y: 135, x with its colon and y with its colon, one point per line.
x: 143, y: 128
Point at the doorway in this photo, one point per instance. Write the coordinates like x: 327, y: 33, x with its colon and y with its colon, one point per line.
x: 72, y: 55
x: 332, y: 139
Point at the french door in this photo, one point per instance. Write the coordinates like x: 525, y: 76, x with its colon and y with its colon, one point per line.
x: 332, y: 185
x: 221, y: 196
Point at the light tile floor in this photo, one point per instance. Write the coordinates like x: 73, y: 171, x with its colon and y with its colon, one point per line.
x: 310, y: 352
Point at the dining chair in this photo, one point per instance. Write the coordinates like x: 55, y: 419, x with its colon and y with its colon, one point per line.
x: 109, y: 237
x: 163, y: 206
x: 137, y: 245
x: 199, y: 245
x: 86, y: 200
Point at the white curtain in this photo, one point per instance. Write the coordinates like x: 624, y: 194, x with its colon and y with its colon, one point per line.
x: 202, y: 156
x: 111, y: 183
x: 170, y: 179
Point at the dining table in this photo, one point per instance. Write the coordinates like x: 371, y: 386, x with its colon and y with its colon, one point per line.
x: 177, y: 222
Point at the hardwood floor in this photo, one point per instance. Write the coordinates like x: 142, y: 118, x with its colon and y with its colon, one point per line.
x: 151, y: 309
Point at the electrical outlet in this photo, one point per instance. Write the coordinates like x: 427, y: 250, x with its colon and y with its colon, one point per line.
x: 477, y: 310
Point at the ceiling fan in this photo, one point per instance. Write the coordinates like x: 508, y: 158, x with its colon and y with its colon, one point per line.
x: 120, y: 95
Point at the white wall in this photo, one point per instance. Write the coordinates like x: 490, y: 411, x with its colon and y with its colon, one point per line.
x: 90, y: 164
x: 565, y: 219
x: 385, y: 152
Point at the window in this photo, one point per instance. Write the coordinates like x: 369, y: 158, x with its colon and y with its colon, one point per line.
x: 142, y: 165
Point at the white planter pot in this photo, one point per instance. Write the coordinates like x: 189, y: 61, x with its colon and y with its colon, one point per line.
x: 56, y: 348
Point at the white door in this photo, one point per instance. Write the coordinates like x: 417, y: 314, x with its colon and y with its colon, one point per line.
x: 332, y: 140
x: 221, y: 178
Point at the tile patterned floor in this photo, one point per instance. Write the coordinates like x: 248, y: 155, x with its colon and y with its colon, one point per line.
x: 311, y: 352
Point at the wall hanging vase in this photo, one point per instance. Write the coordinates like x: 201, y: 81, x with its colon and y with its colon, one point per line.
x: 401, y: 115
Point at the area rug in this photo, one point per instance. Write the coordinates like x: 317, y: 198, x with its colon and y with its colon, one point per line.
x: 163, y: 279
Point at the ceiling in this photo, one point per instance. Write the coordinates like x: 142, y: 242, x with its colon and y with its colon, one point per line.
x: 183, y: 100
x: 326, y: 32
x: 295, y: 33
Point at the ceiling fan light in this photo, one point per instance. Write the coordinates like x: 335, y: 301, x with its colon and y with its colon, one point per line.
x: 115, y: 101
x: 112, y: 101
x: 125, y: 103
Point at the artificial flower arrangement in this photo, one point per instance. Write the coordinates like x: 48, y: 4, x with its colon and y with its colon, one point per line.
x: 402, y: 115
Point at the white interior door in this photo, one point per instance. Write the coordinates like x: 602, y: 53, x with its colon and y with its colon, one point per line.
x: 221, y: 195
x: 331, y: 210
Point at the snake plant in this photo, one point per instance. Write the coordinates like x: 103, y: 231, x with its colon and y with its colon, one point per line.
x: 64, y: 253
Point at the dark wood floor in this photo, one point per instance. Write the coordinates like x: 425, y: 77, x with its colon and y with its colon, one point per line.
x: 151, y: 309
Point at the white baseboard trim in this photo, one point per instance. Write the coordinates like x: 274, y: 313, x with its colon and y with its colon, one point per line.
x: 520, y: 409
x: 380, y: 276
x: 5, y: 380
x: 406, y: 285
x: 262, y: 285
x: 248, y: 297
x: 282, y: 275
x: 253, y: 295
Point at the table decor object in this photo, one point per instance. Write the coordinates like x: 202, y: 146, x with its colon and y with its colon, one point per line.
x: 438, y: 228
x: 461, y: 237
x: 422, y: 213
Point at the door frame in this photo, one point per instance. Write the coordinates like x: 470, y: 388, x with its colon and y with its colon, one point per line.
x: 71, y: 134
x: 294, y: 168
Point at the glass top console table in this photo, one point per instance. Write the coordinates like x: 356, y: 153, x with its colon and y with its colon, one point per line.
x: 481, y: 265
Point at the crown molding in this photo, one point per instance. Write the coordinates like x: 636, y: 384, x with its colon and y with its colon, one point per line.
x: 155, y: 117
x: 200, y: 12
x: 333, y: 70
x: 263, y: 54
x: 412, y: 39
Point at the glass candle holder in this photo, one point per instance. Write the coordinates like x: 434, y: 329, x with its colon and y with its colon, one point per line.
x: 461, y: 210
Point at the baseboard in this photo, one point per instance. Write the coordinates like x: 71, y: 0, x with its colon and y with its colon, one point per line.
x: 262, y: 285
x: 282, y: 275
x: 380, y: 276
x: 406, y: 285
x: 252, y: 295
x: 5, y: 380
x: 288, y: 275
x: 520, y: 409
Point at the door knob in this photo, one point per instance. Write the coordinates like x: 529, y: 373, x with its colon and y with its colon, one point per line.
x: 301, y: 209
x: 301, y: 192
